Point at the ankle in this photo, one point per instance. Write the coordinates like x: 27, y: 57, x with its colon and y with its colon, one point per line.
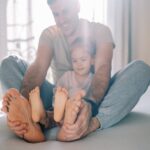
x: 96, y: 123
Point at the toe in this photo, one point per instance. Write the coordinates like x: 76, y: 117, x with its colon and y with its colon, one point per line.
x: 65, y: 91
x: 58, y: 89
x: 37, y: 89
x: 13, y: 91
x: 4, y: 109
x: 76, y: 109
x: 31, y: 92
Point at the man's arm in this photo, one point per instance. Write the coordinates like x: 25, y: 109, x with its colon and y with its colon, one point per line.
x: 36, y: 73
x: 84, y: 124
x: 102, y: 74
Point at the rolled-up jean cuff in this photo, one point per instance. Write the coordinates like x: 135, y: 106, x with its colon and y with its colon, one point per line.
x: 100, y: 119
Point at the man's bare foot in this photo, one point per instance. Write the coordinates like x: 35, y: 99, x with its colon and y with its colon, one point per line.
x: 71, y: 112
x: 61, y: 97
x: 18, y: 109
x: 37, y: 108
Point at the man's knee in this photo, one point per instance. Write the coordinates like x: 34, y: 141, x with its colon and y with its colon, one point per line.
x: 12, y: 70
x: 140, y: 65
x: 11, y: 63
x: 8, y: 62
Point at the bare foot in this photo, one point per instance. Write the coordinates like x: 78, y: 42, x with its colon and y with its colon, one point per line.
x: 71, y: 112
x: 37, y: 108
x: 73, y: 107
x: 18, y: 109
x: 61, y: 97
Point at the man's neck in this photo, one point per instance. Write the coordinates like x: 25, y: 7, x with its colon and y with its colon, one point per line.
x: 75, y: 34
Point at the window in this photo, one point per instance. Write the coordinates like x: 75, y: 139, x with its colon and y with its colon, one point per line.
x: 94, y: 10
x: 26, y: 19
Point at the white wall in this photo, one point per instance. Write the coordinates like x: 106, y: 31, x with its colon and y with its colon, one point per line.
x: 141, y: 30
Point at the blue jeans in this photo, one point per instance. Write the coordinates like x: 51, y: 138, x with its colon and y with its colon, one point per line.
x: 125, y: 89
x: 12, y: 71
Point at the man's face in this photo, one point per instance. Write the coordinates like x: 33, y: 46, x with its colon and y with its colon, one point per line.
x: 65, y: 13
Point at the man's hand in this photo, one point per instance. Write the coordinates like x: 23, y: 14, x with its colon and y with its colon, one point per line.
x: 80, y: 127
x: 18, y: 127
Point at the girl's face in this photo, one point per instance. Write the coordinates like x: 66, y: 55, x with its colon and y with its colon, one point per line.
x: 81, y: 61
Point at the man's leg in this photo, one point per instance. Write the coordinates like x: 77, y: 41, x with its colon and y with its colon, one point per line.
x: 125, y: 90
x: 12, y: 70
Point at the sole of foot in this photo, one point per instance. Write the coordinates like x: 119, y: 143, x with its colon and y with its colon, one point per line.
x: 61, y: 97
x: 37, y: 108
x: 19, y: 109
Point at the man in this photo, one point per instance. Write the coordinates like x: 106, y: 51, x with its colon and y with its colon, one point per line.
x: 115, y: 98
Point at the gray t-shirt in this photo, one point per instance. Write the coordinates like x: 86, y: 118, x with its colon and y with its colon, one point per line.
x: 70, y: 82
x: 53, y: 37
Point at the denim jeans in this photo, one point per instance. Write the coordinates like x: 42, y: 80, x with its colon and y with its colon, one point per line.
x: 12, y: 71
x: 125, y: 89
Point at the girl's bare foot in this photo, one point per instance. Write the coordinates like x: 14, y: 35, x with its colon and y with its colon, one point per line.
x: 71, y: 112
x: 18, y: 109
x: 61, y: 97
x: 37, y: 108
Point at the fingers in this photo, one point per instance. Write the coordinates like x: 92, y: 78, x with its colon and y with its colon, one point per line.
x: 79, y: 95
x: 76, y: 109
x: 71, y: 136
x: 17, y: 125
x: 78, y: 103
x: 80, y: 127
x: 84, y: 116
x: 4, y: 109
x: 76, y: 106
x: 18, y: 128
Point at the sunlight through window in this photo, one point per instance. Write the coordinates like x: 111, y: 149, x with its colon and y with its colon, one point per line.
x: 94, y: 10
x: 25, y: 23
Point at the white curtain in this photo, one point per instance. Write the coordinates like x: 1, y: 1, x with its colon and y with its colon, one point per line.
x: 129, y: 21
x: 3, y: 31
x: 118, y: 17
x: 3, y: 35
x: 141, y: 30
x: 94, y: 10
